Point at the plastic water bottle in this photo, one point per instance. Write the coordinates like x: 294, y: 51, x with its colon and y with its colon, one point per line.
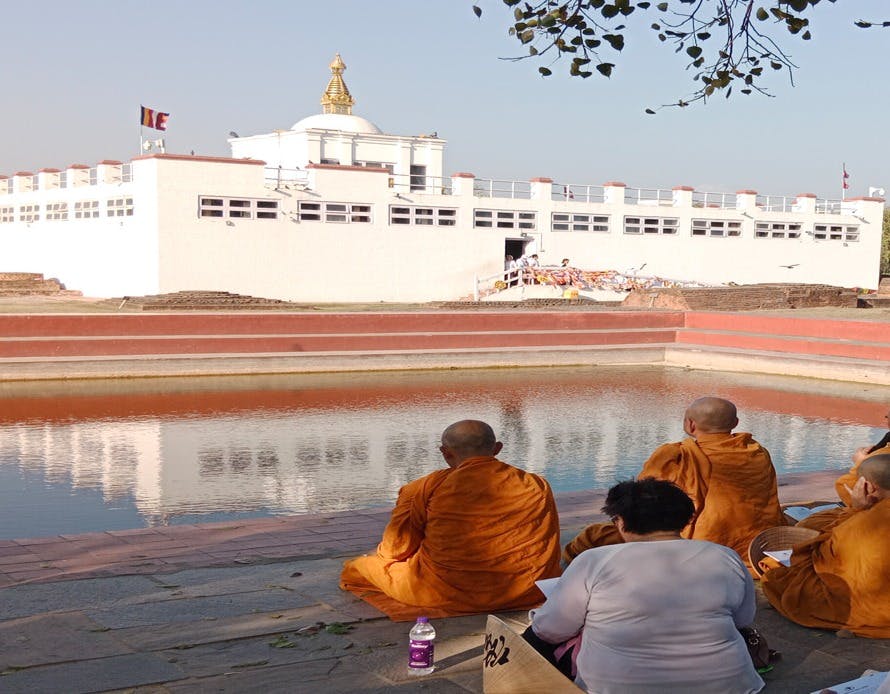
x: 421, y: 646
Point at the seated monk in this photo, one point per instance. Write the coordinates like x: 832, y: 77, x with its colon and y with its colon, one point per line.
x: 841, y: 578
x: 729, y: 477
x: 846, y: 481
x: 471, y: 538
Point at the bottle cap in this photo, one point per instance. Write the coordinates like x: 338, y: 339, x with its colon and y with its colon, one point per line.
x: 423, y: 620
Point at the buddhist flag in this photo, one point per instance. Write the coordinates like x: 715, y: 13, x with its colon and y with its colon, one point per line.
x: 150, y: 118
x: 844, y: 182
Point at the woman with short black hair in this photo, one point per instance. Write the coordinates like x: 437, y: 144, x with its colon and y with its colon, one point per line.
x: 657, y: 613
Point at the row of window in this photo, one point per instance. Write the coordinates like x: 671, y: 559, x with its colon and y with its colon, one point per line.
x: 62, y: 211
x: 126, y: 176
x: 410, y: 215
x: 237, y: 208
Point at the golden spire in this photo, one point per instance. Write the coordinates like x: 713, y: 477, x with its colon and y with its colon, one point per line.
x: 336, y: 98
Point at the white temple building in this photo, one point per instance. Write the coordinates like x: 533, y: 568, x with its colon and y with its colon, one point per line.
x: 336, y: 210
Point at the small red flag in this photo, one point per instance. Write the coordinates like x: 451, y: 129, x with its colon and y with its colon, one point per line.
x: 844, y: 182
x: 161, y: 121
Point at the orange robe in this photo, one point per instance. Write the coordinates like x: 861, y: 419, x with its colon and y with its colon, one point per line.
x: 730, y: 479
x: 849, y: 479
x: 470, y: 539
x: 840, y: 579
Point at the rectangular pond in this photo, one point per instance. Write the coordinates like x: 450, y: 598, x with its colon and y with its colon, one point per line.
x: 99, y: 455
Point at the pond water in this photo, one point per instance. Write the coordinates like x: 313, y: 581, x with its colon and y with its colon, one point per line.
x: 87, y: 456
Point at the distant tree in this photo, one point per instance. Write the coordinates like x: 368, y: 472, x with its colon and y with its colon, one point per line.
x: 885, y: 244
x: 727, y: 42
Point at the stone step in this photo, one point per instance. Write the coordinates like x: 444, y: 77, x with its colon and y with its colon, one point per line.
x: 58, y: 347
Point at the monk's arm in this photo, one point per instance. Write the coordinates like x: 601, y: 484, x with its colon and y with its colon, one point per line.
x: 663, y: 464
x: 594, y: 535
x: 403, y: 535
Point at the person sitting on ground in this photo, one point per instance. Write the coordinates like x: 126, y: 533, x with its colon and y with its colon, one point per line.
x: 730, y: 478
x: 848, y: 479
x: 841, y: 578
x: 471, y: 538
x: 657, y: 613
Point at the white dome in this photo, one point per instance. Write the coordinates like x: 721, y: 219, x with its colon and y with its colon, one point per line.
x: 338, y: 121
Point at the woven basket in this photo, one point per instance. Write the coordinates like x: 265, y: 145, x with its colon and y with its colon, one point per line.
x: 778, y: 538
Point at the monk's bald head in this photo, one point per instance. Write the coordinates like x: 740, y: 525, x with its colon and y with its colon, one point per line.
x: 712, y: 415
x: 470, y: 437
x: 876, y: 469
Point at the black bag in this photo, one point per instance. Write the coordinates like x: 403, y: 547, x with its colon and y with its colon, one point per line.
x: 761, y: 654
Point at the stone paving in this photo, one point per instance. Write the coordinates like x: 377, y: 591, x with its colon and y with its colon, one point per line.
x: 254, y: 606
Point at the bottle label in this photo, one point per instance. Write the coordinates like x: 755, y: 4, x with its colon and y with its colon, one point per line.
x: 420, y: 654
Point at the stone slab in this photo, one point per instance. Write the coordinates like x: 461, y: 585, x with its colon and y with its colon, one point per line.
x: 96, y: 675
x: 36, y: 598
x: 193, y: 609
x: 54, y: 638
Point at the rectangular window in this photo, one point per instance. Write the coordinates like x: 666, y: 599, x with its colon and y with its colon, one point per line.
x: 119, y: 207
x: 418, y: 177
x: 836, y: 232
x: 505, y: 219
x: 423, y: 216
x: 564, y: 221
x: 651, y: 225
x: 7, y: 215
x: 716, y: 227
x: 86, y: 209
x: 63, y: 179
x: 334, y: 212
x: 236, y: 208
x: 57, y: 211
x: 29, y: 213
x: 776, y: 230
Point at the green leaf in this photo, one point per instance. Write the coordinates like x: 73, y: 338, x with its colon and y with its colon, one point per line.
x: 762, y: 14
x: 282, y: 642
x: 477, y: 10
x: 662, y: 7
x: 609, y: 11
x: 693, y: 51
x: 526, y: 35
x: 338, y: 628
x: 545, y: 71
x: 650, y: 111
x: 605, y: 69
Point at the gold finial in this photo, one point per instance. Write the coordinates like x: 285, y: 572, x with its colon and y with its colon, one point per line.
x: 336, y: 98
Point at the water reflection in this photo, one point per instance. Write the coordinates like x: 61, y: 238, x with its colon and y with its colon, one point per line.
x: 77, y: 457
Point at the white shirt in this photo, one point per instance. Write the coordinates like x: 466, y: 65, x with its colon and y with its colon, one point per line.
x: 657, y: 617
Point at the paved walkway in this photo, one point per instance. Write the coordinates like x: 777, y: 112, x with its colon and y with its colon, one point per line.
x: 254, y: 606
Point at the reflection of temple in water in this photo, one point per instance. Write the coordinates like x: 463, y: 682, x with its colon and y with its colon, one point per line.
x: 354, y: 448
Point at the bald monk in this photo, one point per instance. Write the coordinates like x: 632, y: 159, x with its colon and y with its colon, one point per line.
x: 846, y: 481
x: 729, y: 477
x: 471, y: 538
x: 841, y: 579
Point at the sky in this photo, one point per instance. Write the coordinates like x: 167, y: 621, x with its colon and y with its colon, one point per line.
x: 75, y: 74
